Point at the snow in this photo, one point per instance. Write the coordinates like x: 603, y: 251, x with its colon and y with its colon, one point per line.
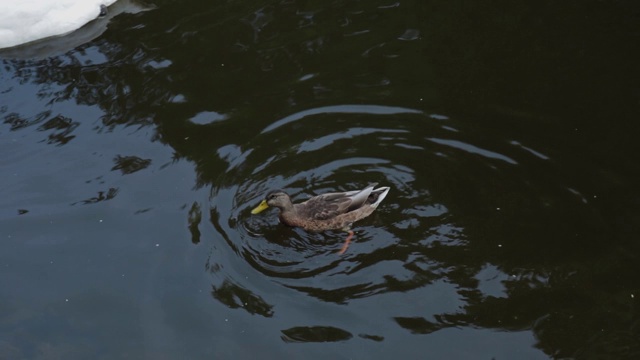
x: 29, y: 20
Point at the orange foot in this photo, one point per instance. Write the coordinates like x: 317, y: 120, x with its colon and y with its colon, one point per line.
x: 346, y: 243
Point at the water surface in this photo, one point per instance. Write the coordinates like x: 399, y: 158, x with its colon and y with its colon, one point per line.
x: 507, y: 135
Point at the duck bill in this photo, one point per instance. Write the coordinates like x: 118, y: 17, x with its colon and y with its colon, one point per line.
x: 263, y: 205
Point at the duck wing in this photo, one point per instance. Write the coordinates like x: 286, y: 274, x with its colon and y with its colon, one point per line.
x: 330, y: 205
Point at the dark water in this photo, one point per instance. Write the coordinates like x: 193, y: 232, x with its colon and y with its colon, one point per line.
x: 507, y: 132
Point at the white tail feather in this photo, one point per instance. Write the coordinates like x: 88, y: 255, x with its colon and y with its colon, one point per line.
x: 383, y: 194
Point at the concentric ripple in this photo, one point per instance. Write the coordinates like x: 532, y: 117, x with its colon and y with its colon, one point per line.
x: 411, y: 240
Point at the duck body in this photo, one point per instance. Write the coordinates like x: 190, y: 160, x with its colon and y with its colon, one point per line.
x: 330, y: 211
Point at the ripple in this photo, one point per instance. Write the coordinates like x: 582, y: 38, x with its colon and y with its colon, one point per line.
x: 473, y: 149
x: 345, y: 109
x: 412, y: 238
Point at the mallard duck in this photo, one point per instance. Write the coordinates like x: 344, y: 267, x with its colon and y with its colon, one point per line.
x: 330, y: 211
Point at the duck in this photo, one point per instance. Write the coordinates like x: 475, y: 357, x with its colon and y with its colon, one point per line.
x: 328, y: 211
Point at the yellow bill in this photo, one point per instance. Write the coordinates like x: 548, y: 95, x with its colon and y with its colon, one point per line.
x: 263, y: 205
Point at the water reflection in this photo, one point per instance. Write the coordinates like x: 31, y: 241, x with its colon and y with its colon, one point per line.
x: 130, y: 164
x: 235, y: 296
x: 102, y: 196
x: 315, y: 334
x: 194, y: 220
x: 64, y: 125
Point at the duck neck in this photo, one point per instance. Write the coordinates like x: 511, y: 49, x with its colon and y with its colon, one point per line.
x: 287, y: 206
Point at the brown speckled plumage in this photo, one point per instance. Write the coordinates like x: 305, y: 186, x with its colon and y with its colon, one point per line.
x: 331, y: 211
